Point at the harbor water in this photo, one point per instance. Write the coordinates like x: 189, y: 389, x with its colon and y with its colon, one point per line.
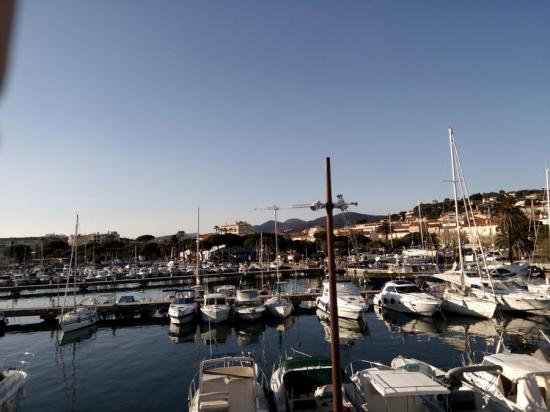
x: 147, y: 365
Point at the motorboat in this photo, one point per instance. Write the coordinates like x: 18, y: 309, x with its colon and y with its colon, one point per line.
x: 215, y: 308
x: 277, y: 305
x: 184, y: 307
x: 351, y: 304
x: 304, y: 383
x: 227, y: 290
x: 406, y: 297
x: 12, y: 382
x: 248, y: 305
x: 310, y: 304
x: 513, y: 382
x: 397, y: 389
x: 230, y: 383
x: 78, y: 317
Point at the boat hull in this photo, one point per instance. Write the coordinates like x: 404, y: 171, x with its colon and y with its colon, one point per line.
x: 469, y: 306
x: 180, y: 315
x: 250, y: 314
x: 344, y: 311
x: 278, y: 307
x: 215, y: 314
x: 76, y: 320
x: 413, y: 308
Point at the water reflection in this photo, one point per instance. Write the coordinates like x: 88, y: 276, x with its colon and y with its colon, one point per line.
x: 249, y: 333
x: 398, y: 322
x: 76, y: 336
x: 214, y: 333
x: 349, y: 330
x: 182, y: 333
x: 281, y: 325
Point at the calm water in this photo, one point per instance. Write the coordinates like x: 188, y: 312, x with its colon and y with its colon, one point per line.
x: 148, y: 366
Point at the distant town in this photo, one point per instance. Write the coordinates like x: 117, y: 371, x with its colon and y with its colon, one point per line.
x: 425, y: 225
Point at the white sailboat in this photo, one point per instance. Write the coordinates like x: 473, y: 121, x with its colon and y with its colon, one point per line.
x: 79, y: 316
x: 456, y: 297
x: 277, y: 305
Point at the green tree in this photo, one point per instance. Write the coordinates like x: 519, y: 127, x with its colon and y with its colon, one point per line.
x: 144, y: 238
x: 513, y: 228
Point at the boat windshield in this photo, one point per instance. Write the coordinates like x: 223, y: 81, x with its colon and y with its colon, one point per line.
x: 215, y: 301
x: 183, y: 301
x: 347, y: 288
x: 408, y: 289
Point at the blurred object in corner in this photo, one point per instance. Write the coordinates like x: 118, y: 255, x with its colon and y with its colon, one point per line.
x: 7, y: 10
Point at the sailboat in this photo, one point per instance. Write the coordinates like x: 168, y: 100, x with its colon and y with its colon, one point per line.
x: 457, y: 297
x: 79, y: 316
x: 277, y: 305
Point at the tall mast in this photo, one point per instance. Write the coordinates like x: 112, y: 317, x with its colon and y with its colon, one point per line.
x: 421, y: 226
x: 197, y: 277
x: 262, y: 257
x: 391, y: 235
x: 457, y: 220
x: 548, y: 207
x: 75, y: 261
x: 275, y: 208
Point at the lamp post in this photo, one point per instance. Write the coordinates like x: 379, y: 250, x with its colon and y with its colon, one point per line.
x: 333, y: 313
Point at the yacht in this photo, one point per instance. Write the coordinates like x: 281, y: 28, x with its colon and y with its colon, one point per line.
x: 184, y: 307
x: 406, y: 297
x: 397, y: 389
x: 12, y: 382
x: 304, y: 383
x: 227, y: 290
x: 215, y: 308
x: 79, y: 317
x: 351, y: 304
x: 277, y: 305
x: 230, y: 383
x: 513, y: 382
x: 248, y: 305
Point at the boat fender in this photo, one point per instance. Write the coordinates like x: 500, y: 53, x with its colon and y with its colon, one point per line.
x: 455, y: 374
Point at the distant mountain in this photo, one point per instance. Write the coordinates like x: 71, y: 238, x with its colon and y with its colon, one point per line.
x: 297, y: 225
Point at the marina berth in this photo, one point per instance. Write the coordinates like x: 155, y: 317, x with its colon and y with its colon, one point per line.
x: 303, y: 383
x: 229, y: 383
x: 513, y: 382
x: 215, y: 309
x: 248, y: 305
x: 351, y: 304
x: 184, y: 307
x: 406, y: 297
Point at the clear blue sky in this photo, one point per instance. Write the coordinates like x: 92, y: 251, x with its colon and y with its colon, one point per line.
x: 134, y: 113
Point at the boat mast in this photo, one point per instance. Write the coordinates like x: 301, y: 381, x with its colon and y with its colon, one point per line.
x: 262, y: 257
x: 548, y: 207
x: 75, y: 261
x: 275, y: 208
x: 197, y: 277
x: 421, y: 225
x: 457, y: 220
x: 391, y: 235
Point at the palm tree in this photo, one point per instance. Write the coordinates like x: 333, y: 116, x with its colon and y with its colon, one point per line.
x: 512, y: 225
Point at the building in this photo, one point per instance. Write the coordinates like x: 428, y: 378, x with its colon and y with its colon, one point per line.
x: 33, y: 242
x: 236, y: 228
x: 95, y: 238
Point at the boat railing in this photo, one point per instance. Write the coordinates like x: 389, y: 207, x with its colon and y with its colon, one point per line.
x: 354, y: 367
x: 8, y: 362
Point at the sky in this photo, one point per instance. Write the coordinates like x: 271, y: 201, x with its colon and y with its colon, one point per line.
x: 135, y: 113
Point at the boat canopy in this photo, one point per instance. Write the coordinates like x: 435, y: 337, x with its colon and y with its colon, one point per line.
x: 516, y: 366
x: 397, y: 383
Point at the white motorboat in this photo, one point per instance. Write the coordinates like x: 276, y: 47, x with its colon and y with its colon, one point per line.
x: 215, y: 308
x: 12, y: 382
x: 406, y: 297
x: 351, y: 304
x: 515, y: 382
x: 277, y: 305
x: 304, y: 383
x: 248, y: 305
x: 184, y: 307
x: 397, y: 389
x: 231, y: 384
